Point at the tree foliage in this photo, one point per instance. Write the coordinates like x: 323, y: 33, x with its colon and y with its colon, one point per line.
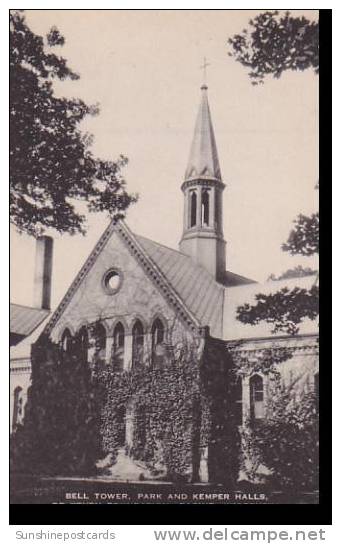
x: 274, y: 43
x: 304, y: 238
x: 51, y: 163
x: 286, y: 442
x: 285, y: 309
x: 297, y: 272
x: 60, y: 432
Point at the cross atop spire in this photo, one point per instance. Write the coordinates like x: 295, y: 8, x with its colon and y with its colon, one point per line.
x: 203, y: 67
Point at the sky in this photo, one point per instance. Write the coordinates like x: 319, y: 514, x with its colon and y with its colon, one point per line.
x: 143, y: 68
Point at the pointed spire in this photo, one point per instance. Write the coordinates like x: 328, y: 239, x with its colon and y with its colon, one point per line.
x: 203, y: 158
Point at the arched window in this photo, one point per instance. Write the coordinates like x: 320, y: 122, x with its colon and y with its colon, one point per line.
x: 193, y: 209
x: 256, y: 397
x: 239, y: 401
x: 18, y: 407
x: 158, y: 334
x: 82, y: 344
x: 66, y: 341
x: 99, y: 339
x: 205, y: 208
x: 138, y: 338
x: 118, y: 347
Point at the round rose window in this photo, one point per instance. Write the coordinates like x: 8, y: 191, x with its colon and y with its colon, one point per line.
x: 112, y: 281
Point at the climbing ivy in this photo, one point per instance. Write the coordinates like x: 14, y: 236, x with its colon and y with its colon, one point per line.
x: 164, y: 404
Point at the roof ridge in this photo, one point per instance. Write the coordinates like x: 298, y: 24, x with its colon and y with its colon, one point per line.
x: 159, y: 244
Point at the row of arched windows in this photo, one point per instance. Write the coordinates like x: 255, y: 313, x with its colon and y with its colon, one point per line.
x: 80, y: 343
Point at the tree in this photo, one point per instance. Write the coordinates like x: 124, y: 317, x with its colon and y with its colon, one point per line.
x: 297, y: 272
x: 51, y: 163
x: 271, y: 45
x: 286, y: 442
x: 274, y: 43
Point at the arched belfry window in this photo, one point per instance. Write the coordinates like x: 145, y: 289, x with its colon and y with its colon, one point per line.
x: 193, y: 219
x: 66, y: 341
x: 138, y: 339
x: 158, y: 336
x: 205, y: 208
x: 18, y: 407
x: 118, y: 347
x: 256, y: 397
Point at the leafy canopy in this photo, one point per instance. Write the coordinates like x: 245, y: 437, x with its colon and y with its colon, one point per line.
x: 51, y: 163
x: 274, y: 43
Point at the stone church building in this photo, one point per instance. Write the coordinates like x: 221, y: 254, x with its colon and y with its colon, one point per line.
x: 147, y: 297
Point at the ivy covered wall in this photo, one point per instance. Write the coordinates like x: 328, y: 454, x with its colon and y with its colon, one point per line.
x: 168, y: 415
x: 173, y: 415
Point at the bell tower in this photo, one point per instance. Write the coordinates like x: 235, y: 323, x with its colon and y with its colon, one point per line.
x: 203, y: 237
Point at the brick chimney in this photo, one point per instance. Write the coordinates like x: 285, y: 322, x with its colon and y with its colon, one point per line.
x: 43, y: 273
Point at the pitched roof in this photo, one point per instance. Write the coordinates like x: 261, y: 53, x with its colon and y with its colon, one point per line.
x: 24, y: 319
x: 23, y: 349
x: 198, y: 290
x: 203, y: 158
x: 233, y: 329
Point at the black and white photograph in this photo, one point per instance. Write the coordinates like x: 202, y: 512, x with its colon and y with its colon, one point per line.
x: 164, y: 238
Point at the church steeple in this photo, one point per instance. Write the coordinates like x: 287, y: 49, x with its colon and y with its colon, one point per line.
x: 203, y: 238
x: 203, y: 158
